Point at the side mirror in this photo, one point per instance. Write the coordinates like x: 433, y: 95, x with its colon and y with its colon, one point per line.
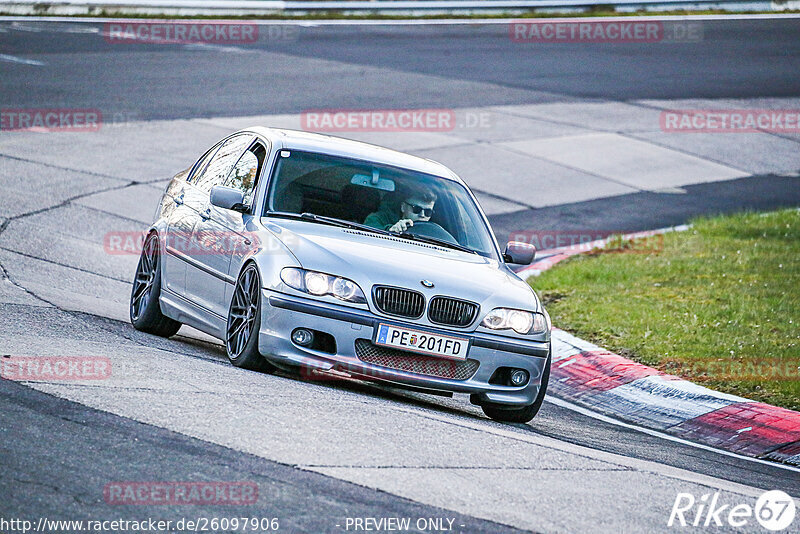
x: 519, y: 253
x: 227, y: 198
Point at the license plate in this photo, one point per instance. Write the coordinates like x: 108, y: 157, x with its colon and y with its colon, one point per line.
x: 422, y: 342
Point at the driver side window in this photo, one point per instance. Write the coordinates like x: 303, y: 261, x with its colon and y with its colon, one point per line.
x: 245, y: 173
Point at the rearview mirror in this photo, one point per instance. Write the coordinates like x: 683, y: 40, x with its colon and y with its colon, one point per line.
x: 373, y: 181
x: 227, y: 198
x: 519, y: 253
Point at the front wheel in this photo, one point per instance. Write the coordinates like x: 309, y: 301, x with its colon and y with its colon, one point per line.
x: 244, y: 321
x: 145, y: 311
x: 524, y: 414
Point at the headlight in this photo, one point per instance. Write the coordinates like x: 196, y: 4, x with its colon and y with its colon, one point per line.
x: 521, y: 322
x: 317, y: 283
x: 321, y: 284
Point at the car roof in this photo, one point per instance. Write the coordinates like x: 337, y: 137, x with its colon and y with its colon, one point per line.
x: 338, y: 146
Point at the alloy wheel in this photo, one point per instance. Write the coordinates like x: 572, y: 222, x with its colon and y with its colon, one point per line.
x: 145, y: 275
x: 244, y: 310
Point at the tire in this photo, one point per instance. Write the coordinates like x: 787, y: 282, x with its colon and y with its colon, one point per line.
x: 524, y: 414
x: 145, y: 310
x: 244, y: 319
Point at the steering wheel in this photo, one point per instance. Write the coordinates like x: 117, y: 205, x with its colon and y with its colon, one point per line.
x: 431, y: 229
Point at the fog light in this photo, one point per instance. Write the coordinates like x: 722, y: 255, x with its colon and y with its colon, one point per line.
x: 519, y: 377
x: 303, y: 337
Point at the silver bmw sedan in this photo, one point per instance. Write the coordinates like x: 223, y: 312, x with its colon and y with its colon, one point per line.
x: 316, y: 254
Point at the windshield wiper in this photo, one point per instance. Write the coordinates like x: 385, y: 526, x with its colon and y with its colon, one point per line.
x: 435, y: 241
x: 344, y: 222
x: 333, y: 221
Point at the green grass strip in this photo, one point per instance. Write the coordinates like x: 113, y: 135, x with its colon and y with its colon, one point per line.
x: 718, y: 304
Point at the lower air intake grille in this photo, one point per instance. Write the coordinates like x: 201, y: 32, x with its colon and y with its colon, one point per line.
x: 400, y: 302
x: 409, y: 362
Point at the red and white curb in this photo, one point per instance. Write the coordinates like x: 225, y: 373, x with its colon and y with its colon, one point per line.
x: 608, y: 383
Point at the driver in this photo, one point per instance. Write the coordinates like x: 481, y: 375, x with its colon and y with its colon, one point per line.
x: 416, y: 206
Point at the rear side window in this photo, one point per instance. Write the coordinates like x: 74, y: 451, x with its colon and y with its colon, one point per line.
x: 222, y: 162
x: 197, y: 170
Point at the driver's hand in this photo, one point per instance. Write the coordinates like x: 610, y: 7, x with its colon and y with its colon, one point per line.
x: 402, y: 225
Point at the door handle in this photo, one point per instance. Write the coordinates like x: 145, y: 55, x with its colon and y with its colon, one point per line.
x: 179, y: 200
x: 206, y: 215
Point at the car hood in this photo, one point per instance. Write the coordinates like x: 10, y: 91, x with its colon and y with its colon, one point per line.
x: 373, y: 259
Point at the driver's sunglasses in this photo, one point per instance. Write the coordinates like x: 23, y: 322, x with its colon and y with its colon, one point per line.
x: 426, y: 212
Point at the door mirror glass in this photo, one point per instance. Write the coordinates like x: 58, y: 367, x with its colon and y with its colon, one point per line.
x: 227, y: 198
x: 519, y: 253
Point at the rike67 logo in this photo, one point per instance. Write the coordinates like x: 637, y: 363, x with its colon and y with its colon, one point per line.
x: 774, y: 511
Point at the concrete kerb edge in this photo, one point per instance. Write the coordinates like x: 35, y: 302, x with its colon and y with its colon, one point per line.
x: 591, y: 376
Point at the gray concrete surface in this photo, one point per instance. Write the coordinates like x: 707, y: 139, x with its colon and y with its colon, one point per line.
x: 428, y: 452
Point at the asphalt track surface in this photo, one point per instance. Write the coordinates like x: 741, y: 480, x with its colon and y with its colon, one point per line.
x: 473, y: 66
x: 57, y: 453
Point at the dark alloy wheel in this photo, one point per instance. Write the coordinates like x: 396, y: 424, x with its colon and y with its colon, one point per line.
x: 145, y: 310
x: 244, y: 320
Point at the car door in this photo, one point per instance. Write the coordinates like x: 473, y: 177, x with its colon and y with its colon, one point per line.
x: 206, y: 256
x: 179, y: 227
x: 228, y: 228
x: 246, y: 176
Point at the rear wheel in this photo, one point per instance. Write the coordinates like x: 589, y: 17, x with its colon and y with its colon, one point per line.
x: 524, y: 414
x: 145, y: 310
x: 244, y: 320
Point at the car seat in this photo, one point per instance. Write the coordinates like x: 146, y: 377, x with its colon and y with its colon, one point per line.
x: 359, y: 201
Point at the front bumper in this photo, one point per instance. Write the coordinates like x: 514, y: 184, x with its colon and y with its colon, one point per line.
x: 281, y: 314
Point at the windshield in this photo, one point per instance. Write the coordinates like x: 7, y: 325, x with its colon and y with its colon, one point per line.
x: 379, y: 196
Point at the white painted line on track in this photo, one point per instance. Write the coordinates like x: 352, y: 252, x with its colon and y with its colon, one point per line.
x: 210, y: 47
x: 610, y: 420
x: 19, y: 26
x: 651, y: 466
x: 21, y: 60
x: 412, y: 22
